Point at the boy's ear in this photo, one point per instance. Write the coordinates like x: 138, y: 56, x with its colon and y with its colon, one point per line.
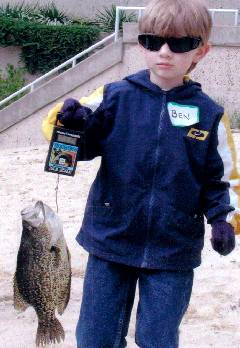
x: 201, y: 52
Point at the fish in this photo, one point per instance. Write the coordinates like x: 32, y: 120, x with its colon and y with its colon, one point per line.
x: 43, y: 272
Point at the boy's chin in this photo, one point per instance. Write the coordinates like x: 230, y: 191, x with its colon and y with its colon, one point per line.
x: 166, y: 80
x: 165, y: 74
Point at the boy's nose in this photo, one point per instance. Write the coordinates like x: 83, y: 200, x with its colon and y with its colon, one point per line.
x: 165, y: 50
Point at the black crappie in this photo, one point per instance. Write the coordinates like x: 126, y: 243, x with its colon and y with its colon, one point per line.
x: 43, y: 273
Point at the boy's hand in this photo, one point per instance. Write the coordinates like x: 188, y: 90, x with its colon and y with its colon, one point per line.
x: 73, y: 114
x: 223, y: 237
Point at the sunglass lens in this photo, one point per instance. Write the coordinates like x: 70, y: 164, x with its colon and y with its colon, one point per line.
x: 183, y: 44
x: 151, y: 42
x: 176, y: 45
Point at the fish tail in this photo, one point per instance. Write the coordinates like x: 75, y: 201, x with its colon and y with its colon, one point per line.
x: 49, y: 332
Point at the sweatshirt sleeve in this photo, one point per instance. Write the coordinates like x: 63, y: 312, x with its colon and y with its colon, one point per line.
x: 93, y: 101
x: 222, y: 187
x: 96, y: 125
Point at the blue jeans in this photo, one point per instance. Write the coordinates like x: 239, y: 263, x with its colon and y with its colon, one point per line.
x: 108, y: 296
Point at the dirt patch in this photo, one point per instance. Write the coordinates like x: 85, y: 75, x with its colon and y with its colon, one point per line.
x: 212, y: 319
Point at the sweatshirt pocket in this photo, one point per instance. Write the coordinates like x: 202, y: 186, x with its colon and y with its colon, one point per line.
x: 104, y: 215
x: 190, y: 225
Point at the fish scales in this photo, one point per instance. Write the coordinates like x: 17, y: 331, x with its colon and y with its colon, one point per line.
x: 43, y: 273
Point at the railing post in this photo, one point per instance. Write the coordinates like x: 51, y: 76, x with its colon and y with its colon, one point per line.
x: 139, y: 14
x: 212, y: 14
x: 236, y: 18
x: 116, y: 24
x: 222, y: 10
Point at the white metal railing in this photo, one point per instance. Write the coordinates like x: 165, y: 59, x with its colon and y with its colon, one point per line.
x: 124, y: 8
x: 73, y: 60
x: 140, y: 10
x: 223, y: 10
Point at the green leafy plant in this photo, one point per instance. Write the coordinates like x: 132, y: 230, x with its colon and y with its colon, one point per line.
x: 46, y: 46
x: 106, y: 18
x: 18, y: 11
x: 10, y: 82
x: 48, y: 14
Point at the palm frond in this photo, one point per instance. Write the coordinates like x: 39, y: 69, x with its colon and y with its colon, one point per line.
x: 106, y: 18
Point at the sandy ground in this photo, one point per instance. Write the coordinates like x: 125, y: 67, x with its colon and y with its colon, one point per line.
x: 213, y: 317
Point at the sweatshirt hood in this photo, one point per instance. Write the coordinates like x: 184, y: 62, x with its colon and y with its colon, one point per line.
x: 142, y: 80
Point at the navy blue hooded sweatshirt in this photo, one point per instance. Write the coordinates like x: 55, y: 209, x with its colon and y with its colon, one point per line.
x: 161, y: 171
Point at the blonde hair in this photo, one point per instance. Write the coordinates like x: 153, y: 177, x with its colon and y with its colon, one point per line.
x: 176, y: 18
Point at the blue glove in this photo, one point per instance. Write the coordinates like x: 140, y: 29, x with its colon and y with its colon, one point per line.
x: 73, y: 114
x: 223, y: 237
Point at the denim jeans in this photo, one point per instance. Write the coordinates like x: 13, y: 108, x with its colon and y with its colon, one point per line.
x: 108, y: 296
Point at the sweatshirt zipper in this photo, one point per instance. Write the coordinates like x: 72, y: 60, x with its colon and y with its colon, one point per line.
x: 151, y: 200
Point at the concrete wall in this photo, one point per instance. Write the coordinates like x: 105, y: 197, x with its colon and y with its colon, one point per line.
x: 28, y: 131
x: 223, y: 3
x: 11, y: 55
x: 215, y: 81
x: 218, y: 73
x: 218, y: 79
x: 61, y: 84
x: 79, y: 8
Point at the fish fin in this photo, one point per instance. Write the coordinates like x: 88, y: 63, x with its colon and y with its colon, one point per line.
x: 18, y: 300
x: 57, y: 255
x: 49, y: 332
x: 62, y: 304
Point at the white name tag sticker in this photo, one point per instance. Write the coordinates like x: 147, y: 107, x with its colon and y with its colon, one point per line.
x: 183, y: 115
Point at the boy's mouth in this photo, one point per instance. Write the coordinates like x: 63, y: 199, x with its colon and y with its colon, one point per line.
x: 165, y: 65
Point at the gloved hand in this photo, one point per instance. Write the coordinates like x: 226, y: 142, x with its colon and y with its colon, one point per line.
x: 223, y: 237
x: 73, y: 114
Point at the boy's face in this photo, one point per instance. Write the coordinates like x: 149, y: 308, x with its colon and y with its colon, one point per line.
x: 167, y: 68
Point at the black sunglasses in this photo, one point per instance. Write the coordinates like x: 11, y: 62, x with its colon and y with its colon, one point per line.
x: 176, y: 44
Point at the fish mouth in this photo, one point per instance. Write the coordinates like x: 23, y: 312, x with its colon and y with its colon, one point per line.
x: 41, y: 214
x: 34, y: 215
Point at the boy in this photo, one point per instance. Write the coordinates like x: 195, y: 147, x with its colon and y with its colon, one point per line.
x: 166, y: 162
